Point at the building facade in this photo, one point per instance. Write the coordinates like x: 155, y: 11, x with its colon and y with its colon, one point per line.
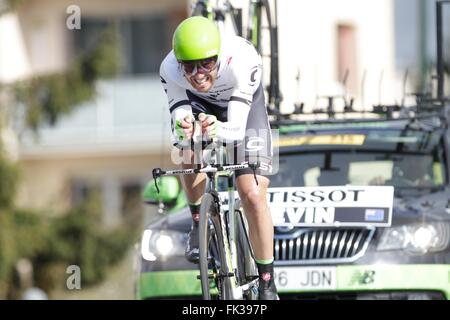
x: 111, y: 144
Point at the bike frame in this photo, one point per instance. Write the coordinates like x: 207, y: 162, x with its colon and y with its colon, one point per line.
x: 223, y: 221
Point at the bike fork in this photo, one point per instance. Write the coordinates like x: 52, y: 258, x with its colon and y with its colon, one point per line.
x: 230, y: 290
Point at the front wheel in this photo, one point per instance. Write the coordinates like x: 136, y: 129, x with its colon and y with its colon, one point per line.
x: 246, y: 269
x: 214, y: 251
x: 207, y: 208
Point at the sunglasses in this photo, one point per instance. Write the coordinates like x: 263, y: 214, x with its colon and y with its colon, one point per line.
x: 192, y: 67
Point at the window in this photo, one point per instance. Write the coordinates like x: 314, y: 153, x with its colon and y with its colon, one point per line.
x: 132, y: 205
x: 81, y: 190
x: 142, y: 41
x: 120, y: 199
x: 359, y: 168
x: 346, y: 56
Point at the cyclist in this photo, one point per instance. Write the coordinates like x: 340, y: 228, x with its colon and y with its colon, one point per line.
x: 218, y: 81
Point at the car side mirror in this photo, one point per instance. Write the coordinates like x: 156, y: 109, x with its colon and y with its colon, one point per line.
x: 169, y: 189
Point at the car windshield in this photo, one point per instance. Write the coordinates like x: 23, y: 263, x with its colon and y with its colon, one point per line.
x: 411, y: 168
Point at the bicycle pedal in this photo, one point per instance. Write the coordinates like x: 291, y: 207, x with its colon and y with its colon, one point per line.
x: 226, y: 275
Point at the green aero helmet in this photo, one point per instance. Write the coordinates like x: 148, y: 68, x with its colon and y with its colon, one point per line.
x: 169, y: 190
x: 196, y: 38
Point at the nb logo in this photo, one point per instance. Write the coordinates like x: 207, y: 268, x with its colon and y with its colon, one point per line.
x: 363, y: 278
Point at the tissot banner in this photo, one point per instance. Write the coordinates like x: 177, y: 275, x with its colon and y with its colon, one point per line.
x: 330, y: 206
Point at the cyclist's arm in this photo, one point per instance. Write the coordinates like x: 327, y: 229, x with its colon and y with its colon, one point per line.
x: 234, y: 128
x: 248, y: 78
x: 179, y: 107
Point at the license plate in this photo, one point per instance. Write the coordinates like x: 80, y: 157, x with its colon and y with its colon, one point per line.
x: 305, y: 278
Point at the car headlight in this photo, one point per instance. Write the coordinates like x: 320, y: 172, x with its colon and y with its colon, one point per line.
x: 162, y: 243
x: 417, y: 238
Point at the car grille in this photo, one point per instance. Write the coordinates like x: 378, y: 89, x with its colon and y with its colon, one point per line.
x: 321, y: 245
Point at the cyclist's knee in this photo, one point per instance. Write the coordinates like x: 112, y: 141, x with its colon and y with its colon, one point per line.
x: 254, y: 200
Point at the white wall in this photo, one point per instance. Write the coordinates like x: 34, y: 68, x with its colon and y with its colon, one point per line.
x: 308, y: 44
x: 14, y: 63
x: 307, y: 41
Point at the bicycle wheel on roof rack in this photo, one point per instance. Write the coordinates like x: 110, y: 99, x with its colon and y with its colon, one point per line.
x: 201, y: 8
x: 262, y: 31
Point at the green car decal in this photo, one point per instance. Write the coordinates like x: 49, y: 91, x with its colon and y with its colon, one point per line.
x: 169, y: 284
x: 367, y: 278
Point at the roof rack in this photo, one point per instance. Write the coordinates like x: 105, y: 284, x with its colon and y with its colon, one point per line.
x: 425, y: 106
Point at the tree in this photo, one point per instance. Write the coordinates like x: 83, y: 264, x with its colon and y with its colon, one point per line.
x: 75, y: 237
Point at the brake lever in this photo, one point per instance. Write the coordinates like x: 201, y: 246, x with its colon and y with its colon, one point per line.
x: 254, y: 166
x: 156, y: 173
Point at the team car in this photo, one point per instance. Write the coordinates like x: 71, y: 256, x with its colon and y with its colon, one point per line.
x: 361, y: 210
x: 360, y: 203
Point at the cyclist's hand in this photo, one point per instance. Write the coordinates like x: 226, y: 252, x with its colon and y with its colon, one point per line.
x: 209, y: 125
x: 185, y: 128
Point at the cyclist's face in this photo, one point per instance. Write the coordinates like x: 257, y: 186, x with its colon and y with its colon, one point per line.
x: 201, y: 74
